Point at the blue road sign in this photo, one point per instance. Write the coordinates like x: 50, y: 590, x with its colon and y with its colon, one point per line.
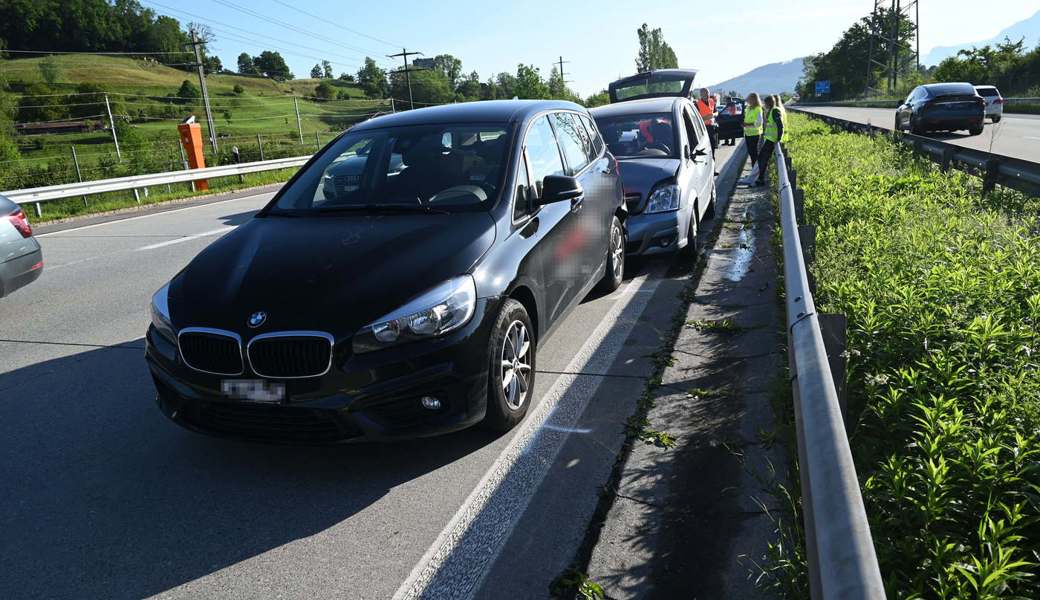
x: 823, y: 87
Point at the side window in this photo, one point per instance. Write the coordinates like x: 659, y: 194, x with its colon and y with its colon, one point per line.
x: 543, y: 155
x: 570, y: 142
x: 597, y: 139
x: 523, y: 185
x: 691, y: 131
x: 586, y: 139
x: 700, y: 133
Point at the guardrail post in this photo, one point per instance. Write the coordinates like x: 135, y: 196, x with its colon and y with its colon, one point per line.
x: 835, y: 340
x: 992, y: 175
x: 799, y: 205
x: 792, y: 175
x: 184, y: 163
x: 260, y: 144
x: 807, y: 240
x: 317, y: 141
x: 137, y: 195
x: 39, y: 211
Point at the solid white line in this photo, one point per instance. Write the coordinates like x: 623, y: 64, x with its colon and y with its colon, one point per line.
x: 156, y: 214
x: 189, y: 238
x: 536, y: 436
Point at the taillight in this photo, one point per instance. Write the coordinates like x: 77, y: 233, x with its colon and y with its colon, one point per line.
x: 998, y: 101
x: 20, y: 223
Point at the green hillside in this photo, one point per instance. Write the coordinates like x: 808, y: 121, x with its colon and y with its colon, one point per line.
x: 143, y: 96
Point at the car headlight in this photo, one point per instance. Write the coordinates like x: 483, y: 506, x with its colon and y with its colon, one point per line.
x: 664, y: 199
x: 444, y: 308
x: 161, y: 313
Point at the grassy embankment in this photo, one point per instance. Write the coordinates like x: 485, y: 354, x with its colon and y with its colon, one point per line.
x: 941, y: 287
x: 139, y: 92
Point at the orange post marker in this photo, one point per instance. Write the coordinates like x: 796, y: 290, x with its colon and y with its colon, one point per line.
x: 191, y: 139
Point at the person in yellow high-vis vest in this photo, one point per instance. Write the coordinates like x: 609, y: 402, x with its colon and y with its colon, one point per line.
x: 753, y: 120
x: 773, y: 132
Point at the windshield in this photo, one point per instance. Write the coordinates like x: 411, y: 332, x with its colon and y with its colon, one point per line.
x: 647, y: 135
x: 428, y: 167
x: 650, y: 85
x: 989, y: 92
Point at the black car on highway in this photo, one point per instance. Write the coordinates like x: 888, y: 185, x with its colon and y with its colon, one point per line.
x: 730, y: 120
x: 399, y: 284
x: 942, y: 107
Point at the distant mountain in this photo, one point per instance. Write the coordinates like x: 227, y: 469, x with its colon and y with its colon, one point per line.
x: 1028, y: 29
x: 773, y: 78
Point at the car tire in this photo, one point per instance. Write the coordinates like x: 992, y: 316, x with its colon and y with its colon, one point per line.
x: 914, y: 127
x: 897, y: 126
x: 996, y: 118
x: 510, y: 387
x: 975, y: 130
x: 691, y: 235
x: 615, y: 271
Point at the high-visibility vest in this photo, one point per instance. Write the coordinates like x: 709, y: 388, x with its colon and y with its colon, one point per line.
x: 752, y: 123
x: 706, y: 110
x: 772, y: 133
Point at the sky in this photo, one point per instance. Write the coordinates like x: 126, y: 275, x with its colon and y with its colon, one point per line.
x: 597, y: 39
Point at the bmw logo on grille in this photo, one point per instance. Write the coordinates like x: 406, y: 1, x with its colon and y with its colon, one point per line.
x: 257, y: 319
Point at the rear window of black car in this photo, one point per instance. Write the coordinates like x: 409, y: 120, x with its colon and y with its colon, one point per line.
x: 453, y: 167
x: 950, y: 89
x: 988, y: 92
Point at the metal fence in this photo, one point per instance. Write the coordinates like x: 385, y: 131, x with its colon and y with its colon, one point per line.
x: 994, y: 169
x: 38, y: 195
x: 840, y: 551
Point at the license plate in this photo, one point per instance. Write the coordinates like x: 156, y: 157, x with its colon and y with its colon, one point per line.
x: 253, y: 390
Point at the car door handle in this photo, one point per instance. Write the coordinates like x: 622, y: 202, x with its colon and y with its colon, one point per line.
x: 577, y: 203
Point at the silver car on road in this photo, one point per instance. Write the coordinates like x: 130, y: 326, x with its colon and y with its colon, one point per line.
x: 21, y: 259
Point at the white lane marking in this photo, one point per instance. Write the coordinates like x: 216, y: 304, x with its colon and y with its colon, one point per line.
x: 164, y: 212
x: 523, y: 464
x: 189, y: 238
x: 1031, y: 137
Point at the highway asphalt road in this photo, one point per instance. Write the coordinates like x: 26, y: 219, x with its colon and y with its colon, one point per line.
x: 102, y: 497
x: 1017, y: 136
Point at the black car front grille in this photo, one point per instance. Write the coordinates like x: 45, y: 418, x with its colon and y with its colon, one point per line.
x: 211, y: 352
x: 270, y: 422
x: 290, y: 356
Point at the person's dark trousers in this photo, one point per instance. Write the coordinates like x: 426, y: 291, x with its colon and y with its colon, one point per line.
x: 763, y: 160
x: 751, y: 141
x: 713, y: 137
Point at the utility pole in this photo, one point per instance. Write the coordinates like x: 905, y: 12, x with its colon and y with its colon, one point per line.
x: 112, y: 126
x: 195, y: 43
x: 299, y: 124
x: 563, y: 75
x: 404, y: 54
x: 889, y: 35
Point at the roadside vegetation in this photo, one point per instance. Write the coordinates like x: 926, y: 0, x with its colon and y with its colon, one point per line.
x: 941, y: 287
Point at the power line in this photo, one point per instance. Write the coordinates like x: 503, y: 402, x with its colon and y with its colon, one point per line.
x: 289, y: 26
x: 404, y: 54
x: 326, y: 21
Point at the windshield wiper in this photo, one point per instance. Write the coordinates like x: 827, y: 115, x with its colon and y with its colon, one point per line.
x: 376, y: 208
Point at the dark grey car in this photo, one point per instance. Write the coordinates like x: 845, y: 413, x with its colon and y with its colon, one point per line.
x: 21, y: 259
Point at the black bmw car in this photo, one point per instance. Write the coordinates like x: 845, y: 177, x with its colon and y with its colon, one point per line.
x: 399, y: 284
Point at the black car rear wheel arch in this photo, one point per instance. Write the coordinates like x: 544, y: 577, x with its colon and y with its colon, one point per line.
x: 511, y: 373
x: 614, y: 274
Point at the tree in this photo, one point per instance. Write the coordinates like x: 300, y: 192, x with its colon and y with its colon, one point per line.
x: 529, y: 83
x: 654, y: 52
x: 246, y: 65
x: 428, y: 87
x: 326, y: 68
x: 272, y: 65
x: 446, y: 64
x: 30, y: 107
x: 316, y: 72
x: 469, y: 88
x: 558, y: 87
x: 212, y: 64
x: 49, y: 70
x: 324, y: 91
x: 347, y: 78
x: 598, y: 99
x: 188, y: 92
x: 372, y: 79
x: 504, y: 86
x: 238, y: 90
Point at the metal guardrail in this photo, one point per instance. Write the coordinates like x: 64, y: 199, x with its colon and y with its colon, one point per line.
x: 880, y: 103
x: 842, y: 561
x: 70, y: 190
x: 994, y: 169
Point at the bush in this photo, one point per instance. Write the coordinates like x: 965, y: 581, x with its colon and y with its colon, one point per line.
x: 941, y: 288
x: 238, y: 89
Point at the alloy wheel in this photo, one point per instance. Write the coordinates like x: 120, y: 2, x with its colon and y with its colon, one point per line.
x: 516, y: 364
x: 617, y: 250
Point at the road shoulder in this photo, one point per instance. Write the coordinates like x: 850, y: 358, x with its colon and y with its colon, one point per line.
x: 691, y: 519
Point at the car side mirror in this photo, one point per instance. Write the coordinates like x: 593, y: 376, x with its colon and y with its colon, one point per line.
x: 557, y: 188
x: 700, y: 152
x: 687, y: 153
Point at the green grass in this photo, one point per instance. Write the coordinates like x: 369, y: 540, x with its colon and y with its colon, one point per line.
x: 941, y: 287
x: 138, y: 90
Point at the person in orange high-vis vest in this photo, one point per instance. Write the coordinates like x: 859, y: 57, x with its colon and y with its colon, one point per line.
x: 706, y: 108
